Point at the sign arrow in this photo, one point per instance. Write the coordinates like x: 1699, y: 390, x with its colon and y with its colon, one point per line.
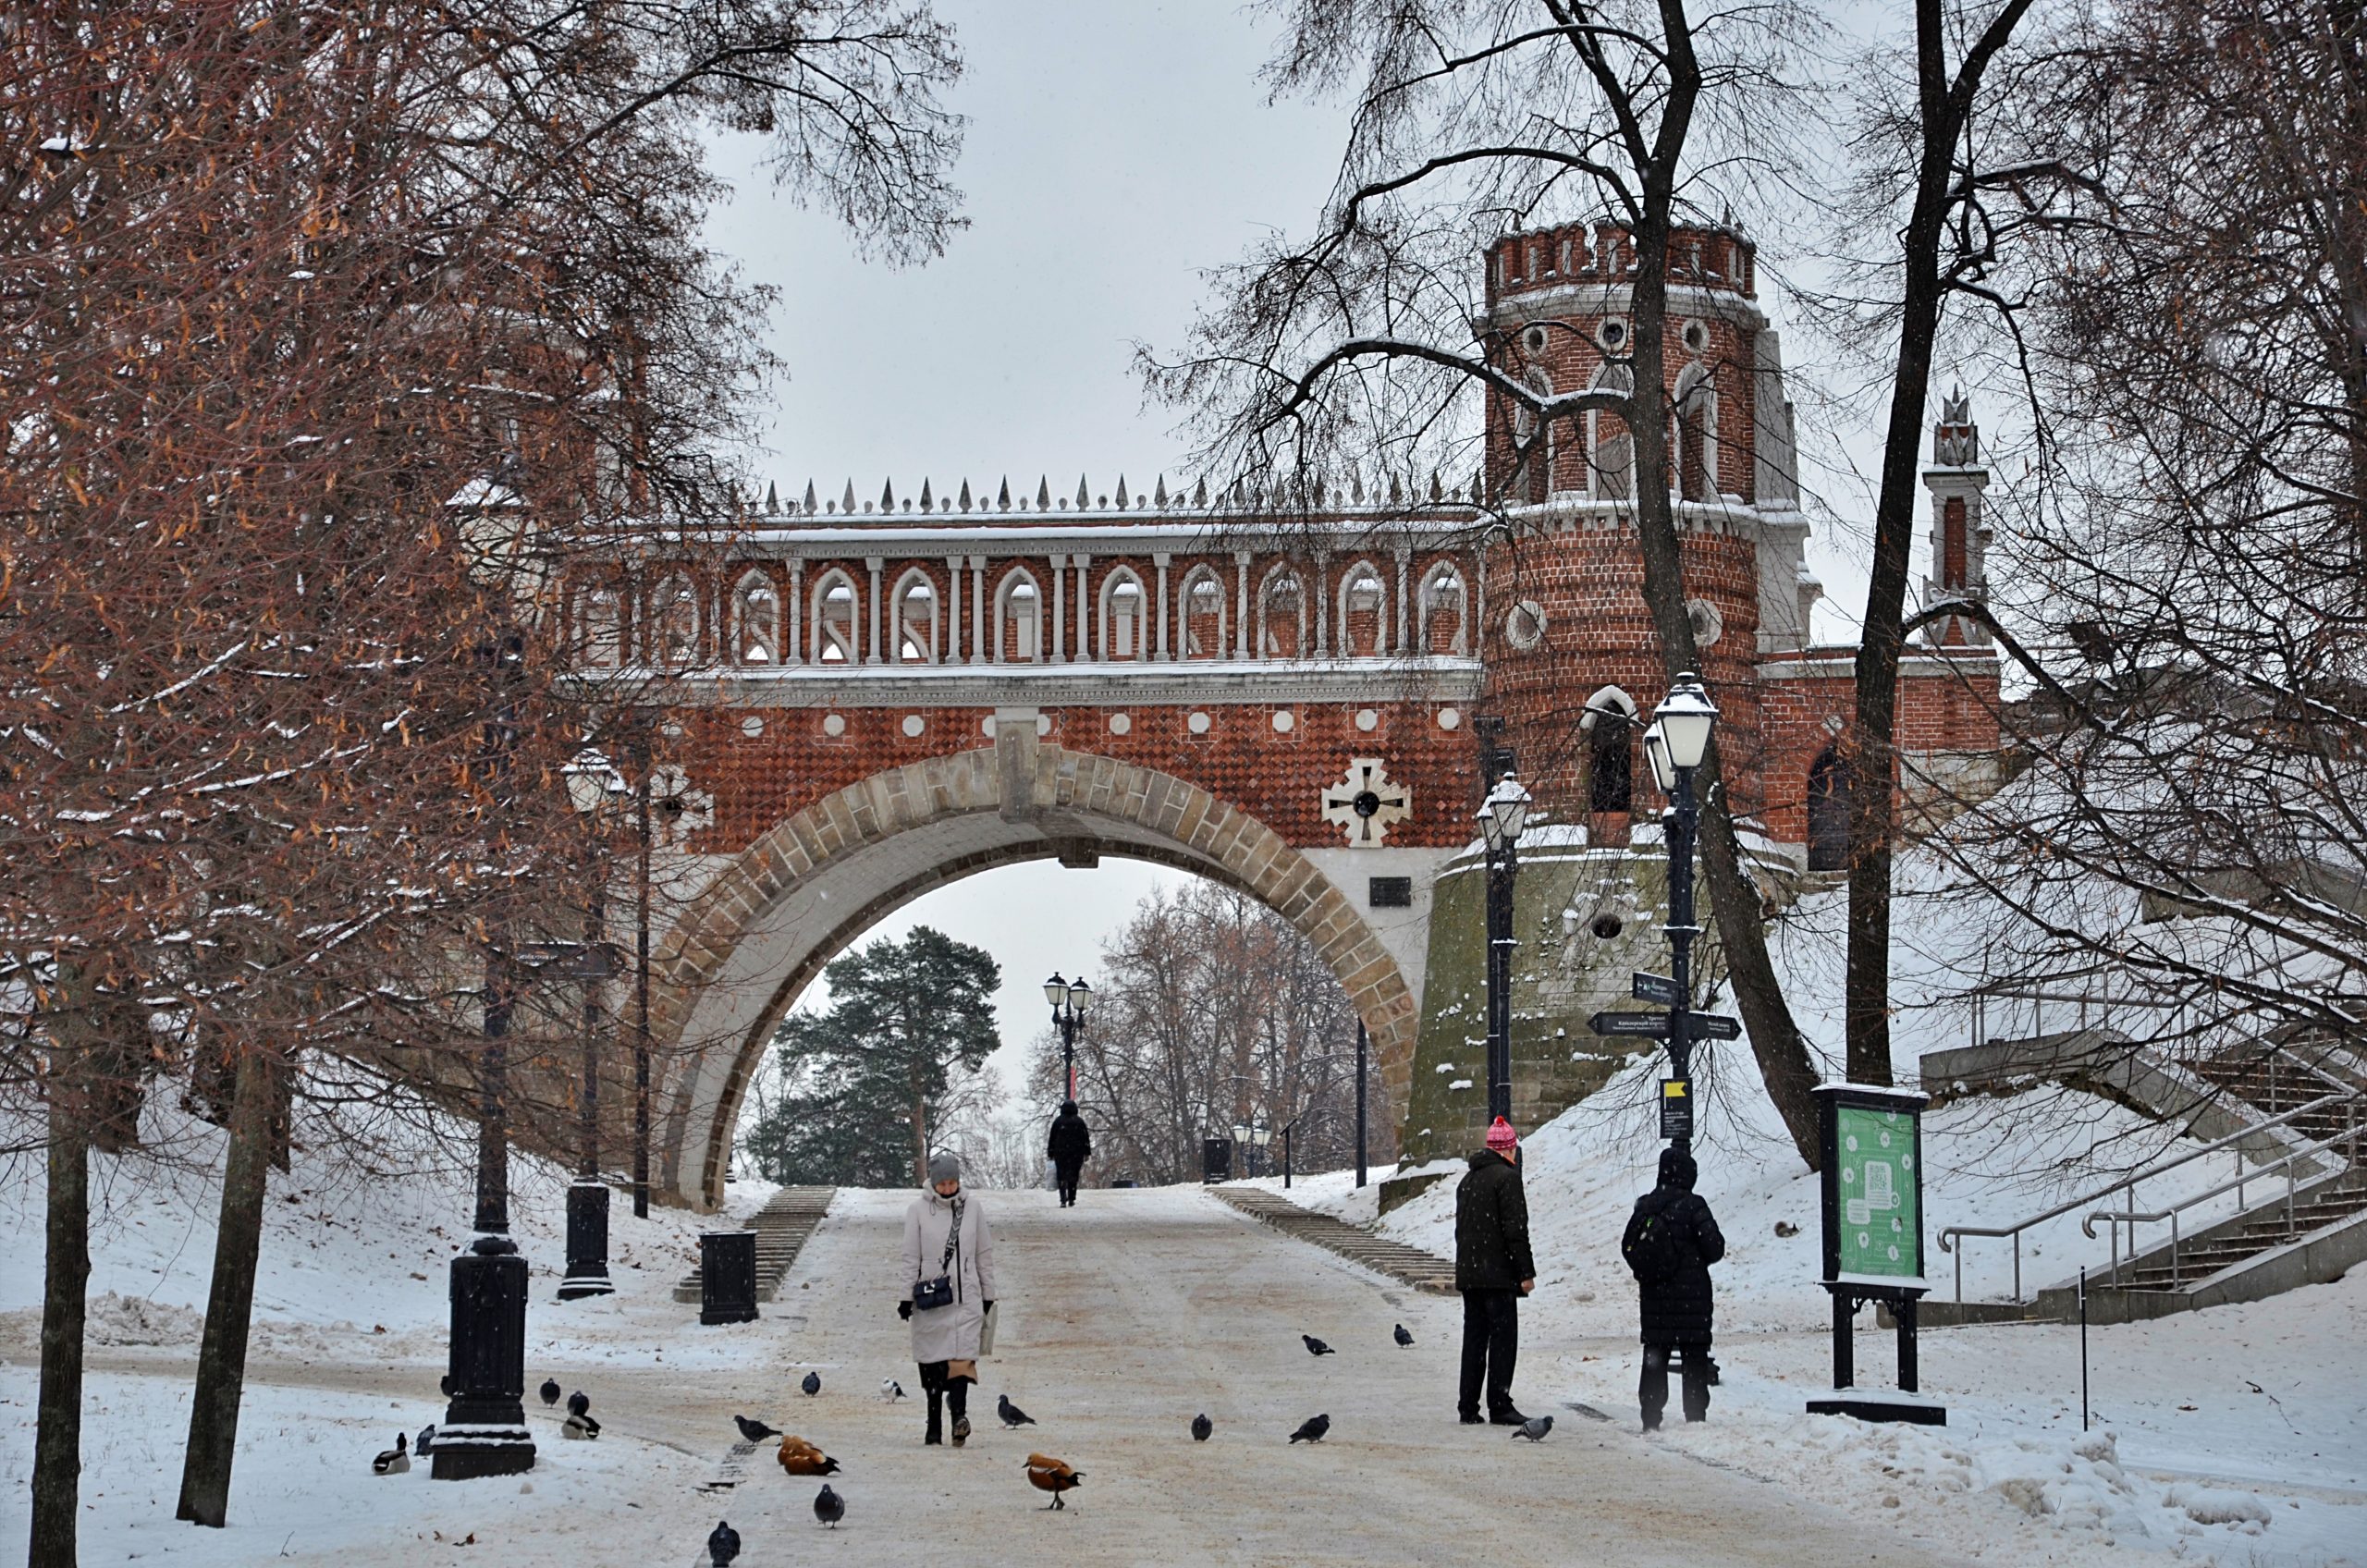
x: 1655, y: 989
x: 1713, y: 1026
x: 1650, y: 1025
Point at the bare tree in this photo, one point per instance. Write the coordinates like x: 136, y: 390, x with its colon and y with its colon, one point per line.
x: 320, y: 349
x: 1366, y: 337
x: 2188, y: 841
x: 1212, y: 1013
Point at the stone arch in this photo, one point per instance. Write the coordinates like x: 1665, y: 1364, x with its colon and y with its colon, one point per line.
x: 766, y: 925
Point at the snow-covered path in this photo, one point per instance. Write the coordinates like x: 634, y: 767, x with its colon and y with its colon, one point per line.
x: 1123, y: 1317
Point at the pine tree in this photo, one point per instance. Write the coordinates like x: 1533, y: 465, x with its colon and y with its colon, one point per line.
x: 864, y: 1077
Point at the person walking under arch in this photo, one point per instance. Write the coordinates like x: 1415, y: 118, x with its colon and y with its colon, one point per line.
x: 1672, y: 1240
x: 949, y: 1260
x: 1070, y: 1144
x: 1494, y: 1269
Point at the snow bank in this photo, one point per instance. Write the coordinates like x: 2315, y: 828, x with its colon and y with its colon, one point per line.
x: 352, y: 1264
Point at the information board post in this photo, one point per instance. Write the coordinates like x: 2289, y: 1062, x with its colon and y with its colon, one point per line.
x: 1872, y: 1144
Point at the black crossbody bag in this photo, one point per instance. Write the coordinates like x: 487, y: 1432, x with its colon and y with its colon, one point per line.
x: 931, y: 1294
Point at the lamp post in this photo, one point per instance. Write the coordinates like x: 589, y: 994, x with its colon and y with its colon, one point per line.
x: 1677, y: 741
x: 593, y: 786
x: 1069, y: 1000
x: 639, y: 751
x: 486, y: 1365
x: 1501, y: 816
x: 1363, y: 1050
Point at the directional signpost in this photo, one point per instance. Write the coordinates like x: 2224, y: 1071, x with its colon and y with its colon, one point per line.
x: 1680, y: 1026
x: 1655, y: 1026
x: 1656, y: 988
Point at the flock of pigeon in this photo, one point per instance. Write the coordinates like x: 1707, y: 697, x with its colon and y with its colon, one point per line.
x: 799, y: 1457
x: 579, y: 1426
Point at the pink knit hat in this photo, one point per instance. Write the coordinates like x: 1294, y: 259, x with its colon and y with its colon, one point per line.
x: 1502, y: 1138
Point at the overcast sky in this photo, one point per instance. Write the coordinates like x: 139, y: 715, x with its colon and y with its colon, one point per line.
x: 1115, y: 152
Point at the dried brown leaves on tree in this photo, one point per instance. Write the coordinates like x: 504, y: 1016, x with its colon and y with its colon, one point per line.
x: 327, y: 337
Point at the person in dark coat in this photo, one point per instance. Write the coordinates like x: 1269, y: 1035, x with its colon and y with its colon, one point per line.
x: 1494, y: 1269
x: 1672, y: 1240
x: 1070, y: 1142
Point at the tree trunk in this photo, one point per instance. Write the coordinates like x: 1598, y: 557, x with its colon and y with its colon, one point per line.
x: 1944, y: 98
x: 222, y: 1355
x: 1775, y: 1039
x: 57, y: 1443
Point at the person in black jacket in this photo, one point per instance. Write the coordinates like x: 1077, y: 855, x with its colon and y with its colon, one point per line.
x: 1070, y: 1143
x: 1494, y: 1269
x: 1672, y: 1240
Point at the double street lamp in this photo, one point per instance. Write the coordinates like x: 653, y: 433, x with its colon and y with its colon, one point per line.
x: 1501, y: 816
x: 1676, y: 745
x: 1069, y: 1000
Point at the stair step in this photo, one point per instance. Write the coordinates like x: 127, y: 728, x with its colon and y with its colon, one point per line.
x: 782, y: 1228
x: 1410, y: 1265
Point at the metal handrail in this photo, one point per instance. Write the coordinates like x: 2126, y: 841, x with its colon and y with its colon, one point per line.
x: 2128, y: 1183
x: 2235, y: 1185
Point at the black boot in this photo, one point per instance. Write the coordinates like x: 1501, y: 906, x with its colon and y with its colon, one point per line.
x: 956, y: 1394
x: 935, y: 1417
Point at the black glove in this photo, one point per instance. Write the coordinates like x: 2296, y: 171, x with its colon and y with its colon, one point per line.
x: 990, y: 1306
x: 904, y: 1310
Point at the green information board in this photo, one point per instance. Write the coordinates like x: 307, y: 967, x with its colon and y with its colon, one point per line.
x: 1881, y: 1218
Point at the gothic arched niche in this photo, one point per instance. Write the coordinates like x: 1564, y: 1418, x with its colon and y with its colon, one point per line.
x: 1829, y: 810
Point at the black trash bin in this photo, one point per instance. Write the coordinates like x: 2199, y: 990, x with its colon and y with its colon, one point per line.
x: 728, y: 1276
x: 1216, y: 1159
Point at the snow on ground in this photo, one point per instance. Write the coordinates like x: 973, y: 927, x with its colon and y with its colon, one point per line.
x: 303, y: 1485
x: 2237, y: 1436
x: 352, y: 1268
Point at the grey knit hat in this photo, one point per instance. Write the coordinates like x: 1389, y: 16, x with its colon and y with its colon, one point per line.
x: 943, y: 1167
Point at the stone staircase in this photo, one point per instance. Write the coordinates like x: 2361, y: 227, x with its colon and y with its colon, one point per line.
x: 782, y: 1227
x: 2294, y: 1230
x: 2261, y: 1230
x: 1407, y: 1265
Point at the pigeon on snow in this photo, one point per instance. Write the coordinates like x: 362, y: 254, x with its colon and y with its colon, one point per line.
x: 890, y: 1389
x: 1535, y: 1429
x: 1403, y: 1337
x: 550, y: 1391
x: 722, y: 1544
x: 754, y: 1432
x: 1011, y: 1415
x: 396, y: 1460
x: 424, y: 1444
x: 578, y: 1402
x: 1201, y: 1427
x: 1312, y: 1430
x: 828, y: 1506
x: 812, y: 1384
x: 1317, y: 1347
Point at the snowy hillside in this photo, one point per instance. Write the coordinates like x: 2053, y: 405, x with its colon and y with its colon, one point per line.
x: 347, y: 1256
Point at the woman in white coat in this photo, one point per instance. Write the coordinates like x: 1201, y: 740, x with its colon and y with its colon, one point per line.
x: 946, y: 1238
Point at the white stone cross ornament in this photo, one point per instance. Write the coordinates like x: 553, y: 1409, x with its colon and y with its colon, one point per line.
x: 1366, y: 804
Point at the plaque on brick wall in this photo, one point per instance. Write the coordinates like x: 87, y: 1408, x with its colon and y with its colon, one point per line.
x: 1390, y: 892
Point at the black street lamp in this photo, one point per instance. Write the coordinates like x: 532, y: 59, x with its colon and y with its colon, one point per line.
x: 486, y: 1376
x: 485, y: 1364
x: 1069, y: 1000
x: 640, y: 753
x: 1501, y: 816
x: 1363, y: 1051
x: 1675, y: 744
x: 593, y: 786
